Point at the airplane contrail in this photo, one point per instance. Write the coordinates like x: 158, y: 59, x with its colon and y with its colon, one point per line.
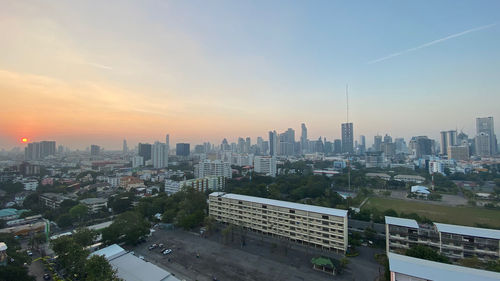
x: 431, y: 43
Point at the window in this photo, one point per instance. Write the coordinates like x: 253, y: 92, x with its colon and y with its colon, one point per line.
x: 292, y: 211
x: 239, y: 202
x: 324, y: 217
x: 264, y: 206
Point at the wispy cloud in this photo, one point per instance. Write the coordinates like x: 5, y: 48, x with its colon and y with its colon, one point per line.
x: 431, y: 43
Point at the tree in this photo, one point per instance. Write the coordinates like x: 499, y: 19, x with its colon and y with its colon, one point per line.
x: 84, y: 236
x: 11, y: 187
x: 98, y: 268
x: 65, y: 220
x: 78, y: 212
x: 424, y: 252
x: 128, y: 227
x: 71, y: 256
x: 15, y: 269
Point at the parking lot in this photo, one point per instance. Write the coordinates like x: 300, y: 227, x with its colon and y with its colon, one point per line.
x: 197, y: 258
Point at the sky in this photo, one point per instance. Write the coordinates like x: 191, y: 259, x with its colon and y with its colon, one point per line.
x: 98, y: 72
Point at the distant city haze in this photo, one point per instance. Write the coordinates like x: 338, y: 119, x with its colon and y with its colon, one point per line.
x: 94, y: 72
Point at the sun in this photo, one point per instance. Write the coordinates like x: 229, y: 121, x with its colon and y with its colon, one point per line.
x: 24, y: 140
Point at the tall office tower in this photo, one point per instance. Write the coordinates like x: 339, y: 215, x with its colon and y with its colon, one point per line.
x: 207, y: 147
x: 347, y: 138
x: 387, y: 139
x: 225, y: 145
x: 420, y: 146
x: 159, y: 155
x: 286, y: 142
x: 145, y: 151
x: 486, y: 125
x: 47, y: 148
x: 32, y: 151
x: 377, y: 143
x: 273, y: 143
x: 462, y: 139
x: 448, y: 138
x: 39, y: 150
x: 125, y: 147
x: 95, y: 150
x: 248, y: 144
x: 241, y: 145
x: 400, y: 145
x: 260, y: 145
x: 60, y: 149
x: 483, y: 145
x: 362, y: 144
x: 182, y: 149
x: 167, y: 140
x: 337, y: 146
x: 303, y: 138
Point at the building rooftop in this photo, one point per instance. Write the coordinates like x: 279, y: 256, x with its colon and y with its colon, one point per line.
x: 401, y: 222
x: 132, y: 268
x: 435, y: 271
x: 467, y: 230
x: 284, y: 204
x: 93, y: 200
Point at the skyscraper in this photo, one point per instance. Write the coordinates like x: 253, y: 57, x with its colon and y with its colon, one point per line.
x: 486, y: 125
x: 182, y: 149
x: 448, y: 138
x: 159, y: 155
x: 337, y: 146
x: 303, y: 138
x: 287, y: 142
x: 362, y: 144
x: 377, y: 143
x: 483, y: 146
x: 273, y: 143
x: 167, y: 141
x: 125, y: 147
x: 145, y: 151
x: 95, y: 150
x: 347, y: 138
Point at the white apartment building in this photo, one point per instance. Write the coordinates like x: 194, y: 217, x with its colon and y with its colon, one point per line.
x: 314, y: 226
x: 454, y: 241
x: 159, y: 155
x: 265, y: 165
x: 212, y: 168
x: 95, y: 204
x: 206, y: 183
x: 137, y: 161
x: 172, y: 187
x: 30, y: 185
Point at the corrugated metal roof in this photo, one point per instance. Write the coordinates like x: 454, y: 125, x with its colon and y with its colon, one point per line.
x: 436, y: 271
x: 285, y: 204
x: 401, y: 222
x: 467, y: 230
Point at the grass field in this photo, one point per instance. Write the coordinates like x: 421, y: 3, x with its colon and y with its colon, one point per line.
x: 438, y: 213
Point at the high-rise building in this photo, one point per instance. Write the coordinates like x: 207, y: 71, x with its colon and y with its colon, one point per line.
x: 303, y: 139
x: 362, y: 144
x: 448, y: 138
x: 145, y: 151
x: 337, y: 146
x: 212, y: 168
x: 483, y: 145
x: 387, y: 139
x: 458, y: 152
x: 125, y: 147
x: 400, y: 145
x: 377, y: 143
x: 248, y: 144
x: 159, y: 155
x: 182, y: 149
x: 137, y: 161
x: 273, y: 143
x: 265, y: 165
x: 420, y: 146
x: 167, y: 140
x: 39, y: 150
x: 486, y: 125
x: 95, y: 150
x: 286, y: 142
x: 347, y: 138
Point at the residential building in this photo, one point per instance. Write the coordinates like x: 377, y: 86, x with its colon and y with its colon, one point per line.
x: 453, y: 241
x: 337, y: 146
x: 303, y: 139
x: 30, y: 185
x: 52, y: 200
x: 483, y: 144
x: 314, y: 226
x: 137, y: 161
x: 347, y: 138
x: 448, y: 138
x: 124, y: 147
x: 207, y: 183
x: 286, y: 144
x: 436, y: 167
x: 94, y: 205
x: 265, y: 165
x: 39, y: 150
x: 405, y: 268
x: 420, y: 146
x: 458, y: 152
x: 212, y: 168
x: 172, y: 187
x: 377, y: 143
x: 159, y: 155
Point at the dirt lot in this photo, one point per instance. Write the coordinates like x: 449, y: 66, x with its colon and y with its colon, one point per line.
x: 260, y: 259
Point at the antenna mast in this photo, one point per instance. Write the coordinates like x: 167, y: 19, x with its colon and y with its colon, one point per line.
x: 350, y: 131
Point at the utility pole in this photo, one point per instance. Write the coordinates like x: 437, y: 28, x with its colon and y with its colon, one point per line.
x: 347, y: 125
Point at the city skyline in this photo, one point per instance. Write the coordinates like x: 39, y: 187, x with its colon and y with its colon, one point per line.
x: 204, y: 72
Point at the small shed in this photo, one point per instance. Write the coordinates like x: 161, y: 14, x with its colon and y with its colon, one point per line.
x: 323, y: 264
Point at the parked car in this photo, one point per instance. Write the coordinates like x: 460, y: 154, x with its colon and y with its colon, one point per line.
x: 46, y: 276
x: 167, y: 251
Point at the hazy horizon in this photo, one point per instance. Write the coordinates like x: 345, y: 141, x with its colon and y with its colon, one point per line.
x: 90, y: 72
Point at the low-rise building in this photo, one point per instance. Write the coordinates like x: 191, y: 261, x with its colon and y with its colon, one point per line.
x: 52, y: 200
x: 95, y: 204
x: 206, y: 183
x: 30, y: 185
x: 409, y: 178
x: 314, y: 226
x: 454, y: 241
x: 379, y: 175
x: 404, y: 268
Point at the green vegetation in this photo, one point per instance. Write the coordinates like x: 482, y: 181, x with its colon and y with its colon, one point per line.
x: 14, y: 270
x: 426, y: 253
x: 471, y: 216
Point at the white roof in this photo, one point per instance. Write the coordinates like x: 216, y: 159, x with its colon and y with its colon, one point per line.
x: 132, y: 268
x: 467, y: 230
x: 284, y: 204
x: 3, y: 246
x: 401, y: 222
x: 436, y: 271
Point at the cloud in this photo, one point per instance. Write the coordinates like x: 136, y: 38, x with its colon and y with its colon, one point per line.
x: 98, y: 65
x: 431, y: 43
